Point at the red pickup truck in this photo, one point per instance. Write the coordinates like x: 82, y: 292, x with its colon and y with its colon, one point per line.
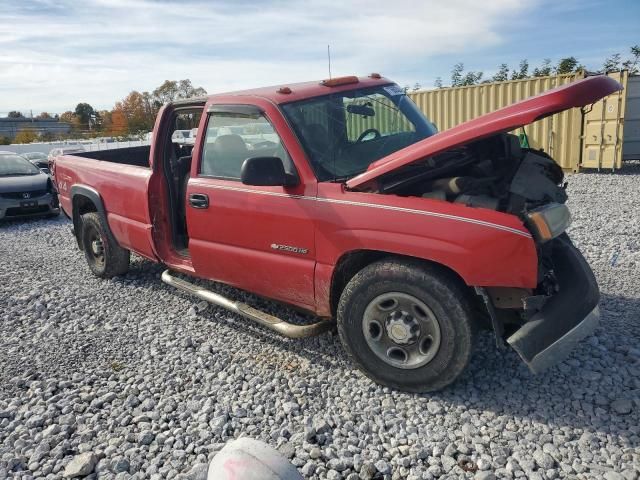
x: 340, y: 198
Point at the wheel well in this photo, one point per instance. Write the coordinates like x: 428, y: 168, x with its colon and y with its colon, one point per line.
x: 81, y: 205
x: 352, y: 262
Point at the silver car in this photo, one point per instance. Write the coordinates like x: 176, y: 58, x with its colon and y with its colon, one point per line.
x: 24, y: 189
x: 39, y: 159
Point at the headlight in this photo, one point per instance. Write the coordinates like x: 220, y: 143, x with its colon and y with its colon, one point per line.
x: 549, y: 221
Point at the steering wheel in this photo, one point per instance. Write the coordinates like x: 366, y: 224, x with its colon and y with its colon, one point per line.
x: 363, y: 135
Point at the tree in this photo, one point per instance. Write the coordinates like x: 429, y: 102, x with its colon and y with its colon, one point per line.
x: 438, y: 82
x: 119, y: 124
x: 187, y: 90
x: 15, y: 114
x: 567, y: 65
x: 105, y: 123
x: 456, y: 74
x: 172, y: 90
x: 612, y: 63
x: 543, y: 70
x: 471, y: 78
x: 165, y: 93
x: 67, y: 117
x: 84, y: 113
x: 26, y: 136
x: 71, y: 118
x: 140, y: 115
x: 43, y: 116
x: 522, y: 72
x: 502, y: 74
x: 631, y: 64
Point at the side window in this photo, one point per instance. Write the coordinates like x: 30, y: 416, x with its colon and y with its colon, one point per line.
x: 235, y: 134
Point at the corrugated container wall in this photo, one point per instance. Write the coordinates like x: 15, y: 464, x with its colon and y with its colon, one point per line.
x: 558, y: 135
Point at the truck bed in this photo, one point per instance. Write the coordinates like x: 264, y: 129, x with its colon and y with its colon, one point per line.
x: 136, y: 156
x: 119, y: 181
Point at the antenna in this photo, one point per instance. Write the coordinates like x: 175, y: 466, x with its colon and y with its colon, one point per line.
x: 329, y: 58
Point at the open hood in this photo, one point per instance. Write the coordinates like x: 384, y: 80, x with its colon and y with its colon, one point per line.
x: 576, y: 94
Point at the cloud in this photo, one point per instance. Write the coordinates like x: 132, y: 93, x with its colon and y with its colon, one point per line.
x: 54, y: 54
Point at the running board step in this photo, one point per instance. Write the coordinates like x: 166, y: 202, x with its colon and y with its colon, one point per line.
x: 278, y: 325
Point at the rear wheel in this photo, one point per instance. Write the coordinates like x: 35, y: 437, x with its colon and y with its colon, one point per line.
x: 406, y: 325
x: 104, y: 256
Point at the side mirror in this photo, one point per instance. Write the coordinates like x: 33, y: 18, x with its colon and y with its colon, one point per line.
x: 264, y: 172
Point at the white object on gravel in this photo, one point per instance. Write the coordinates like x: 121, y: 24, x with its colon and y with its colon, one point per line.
x: 249, y: 459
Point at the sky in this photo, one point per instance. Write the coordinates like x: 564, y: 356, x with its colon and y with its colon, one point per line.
x: 57, y: 53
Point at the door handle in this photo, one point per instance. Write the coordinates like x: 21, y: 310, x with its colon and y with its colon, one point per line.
x: 199, y: 200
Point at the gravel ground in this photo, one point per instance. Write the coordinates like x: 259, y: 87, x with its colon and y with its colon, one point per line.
x: 129, y: 379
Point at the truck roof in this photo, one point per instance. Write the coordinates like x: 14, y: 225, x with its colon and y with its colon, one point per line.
x: 291, y: 92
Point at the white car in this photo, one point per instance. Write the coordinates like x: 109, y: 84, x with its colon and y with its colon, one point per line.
x: 182, y: 137
x: 56, y: 152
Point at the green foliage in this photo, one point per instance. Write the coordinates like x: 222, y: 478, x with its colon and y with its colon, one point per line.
x: 522, y: 72
x: 15, y: 114
x: 633, y: 64
x: 502, y: 75
x: 543, y: 70
x: 4, y: 140
x: 612, y: 63
x: 456, y: 74
x: 471, y: 78
x: 567, y: 65
x: 84, y: 112
x: 172, y: 90
x: 461, y: 79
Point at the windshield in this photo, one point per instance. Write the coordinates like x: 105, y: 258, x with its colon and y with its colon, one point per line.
x: 344, y: 132
x: 15, y: 165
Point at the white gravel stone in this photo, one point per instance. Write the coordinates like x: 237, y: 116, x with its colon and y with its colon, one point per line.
x: 80, y: 466
x: 117, y: 369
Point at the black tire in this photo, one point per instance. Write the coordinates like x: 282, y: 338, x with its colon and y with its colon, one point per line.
x: 447, y: 299
x: 105, y: 257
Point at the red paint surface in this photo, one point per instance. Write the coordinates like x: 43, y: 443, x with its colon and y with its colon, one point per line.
x: 231, y: 240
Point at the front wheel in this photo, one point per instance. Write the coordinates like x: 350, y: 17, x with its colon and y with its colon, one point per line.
x: 406, y: 325
x: 105, y: 257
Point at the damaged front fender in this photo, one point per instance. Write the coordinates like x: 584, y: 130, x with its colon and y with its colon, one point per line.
x: 567, y: 317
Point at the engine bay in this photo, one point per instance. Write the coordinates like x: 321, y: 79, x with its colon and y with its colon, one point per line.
x: 495, y: 173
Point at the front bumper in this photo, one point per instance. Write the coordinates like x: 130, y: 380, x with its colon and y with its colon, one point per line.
x: 15, y: 208
x: 566, y: 318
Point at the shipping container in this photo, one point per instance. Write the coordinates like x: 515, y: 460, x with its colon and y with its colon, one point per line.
x: 578, y: 138
x: 631, y: 144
